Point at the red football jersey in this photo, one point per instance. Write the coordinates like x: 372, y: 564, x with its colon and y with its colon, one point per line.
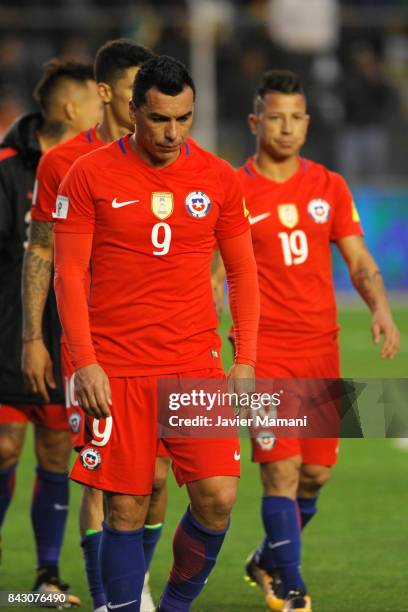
x: 151, y: 306
x: 53, y: 166
x: 292, y: 225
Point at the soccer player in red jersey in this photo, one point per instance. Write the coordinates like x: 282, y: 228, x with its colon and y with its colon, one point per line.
x: 67, y: 103
x: 146, y: 212
x: 297, y: 208
x: 116, y: 65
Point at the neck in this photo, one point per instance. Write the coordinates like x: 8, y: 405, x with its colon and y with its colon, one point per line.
x: 279, y: 170
x: 149, y: 159
x: 52, y: 133
x: 109, y: 130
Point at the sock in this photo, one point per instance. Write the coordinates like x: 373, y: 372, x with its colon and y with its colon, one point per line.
x: 121, y: 560
x: 307, y: 508
x: 48, y: 515
x: 90, y: 547
x: 7, y: 486
x: 282, y: 549
x: 195, y: 551
x: 151, y: 536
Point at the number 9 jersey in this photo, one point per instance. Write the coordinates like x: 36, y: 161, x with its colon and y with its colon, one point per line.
x: 292, y: 224
x: 151, y: 306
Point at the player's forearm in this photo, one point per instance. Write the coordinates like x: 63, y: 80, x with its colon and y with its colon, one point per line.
x: 72, y: 253
x: 37, y: 267
x: 367, y: 279
x: 242, y: 281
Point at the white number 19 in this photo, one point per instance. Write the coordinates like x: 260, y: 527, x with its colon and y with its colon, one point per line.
x: 294, y: 247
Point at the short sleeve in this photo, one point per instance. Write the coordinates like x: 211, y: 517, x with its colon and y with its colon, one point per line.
x: 233, y: 219
x: 45, y: 191
x: 346, y: 221
x: 74, y: 208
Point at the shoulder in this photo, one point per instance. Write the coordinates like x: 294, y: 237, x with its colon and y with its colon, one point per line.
x: 209, y: 161
x: 316, y: 170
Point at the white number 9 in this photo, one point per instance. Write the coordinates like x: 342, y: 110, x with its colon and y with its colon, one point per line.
x: 161, y: 230
x: 100, y: 438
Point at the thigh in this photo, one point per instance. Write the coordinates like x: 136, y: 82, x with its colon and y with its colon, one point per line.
x: 120, y: 452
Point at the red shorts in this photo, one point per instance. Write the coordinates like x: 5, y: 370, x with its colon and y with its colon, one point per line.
x: 313, y: 451
x: 74, y: 413
x: 121, y: 455
x: 51, y: 416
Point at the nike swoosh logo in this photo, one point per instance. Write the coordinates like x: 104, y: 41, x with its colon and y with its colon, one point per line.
x: 60, y: 507
x: 253, y: 220
x: 116, y: 204
x: 122, y: 605
x: 237, y: 456
x: 277, y: 544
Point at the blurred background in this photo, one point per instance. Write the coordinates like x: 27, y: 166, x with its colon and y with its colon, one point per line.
x: 352, y: 55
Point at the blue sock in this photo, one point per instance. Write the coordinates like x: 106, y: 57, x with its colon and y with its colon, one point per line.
x: 307, y: 508
x: 282, y: 552
x: 151, y: 536
x: 90, y: 547
x: 121, y: 560
x: 7, y: 485
x: 195, y: 551
x: 48, y: 515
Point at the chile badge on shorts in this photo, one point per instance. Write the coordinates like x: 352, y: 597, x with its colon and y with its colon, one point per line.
x: 90, y: 458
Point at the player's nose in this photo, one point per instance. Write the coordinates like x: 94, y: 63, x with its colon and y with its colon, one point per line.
x: 171, y: 131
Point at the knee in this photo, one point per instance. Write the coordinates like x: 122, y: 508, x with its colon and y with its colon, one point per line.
x: 125, y: 512
x: 281, y: 477
x: 313, y: 478
x: 9, y: 453
x: 53, y: 450
x: 159, y: 485
x: 217, y: 504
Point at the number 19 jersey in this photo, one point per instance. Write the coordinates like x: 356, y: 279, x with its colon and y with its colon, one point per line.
x: 292, y: 225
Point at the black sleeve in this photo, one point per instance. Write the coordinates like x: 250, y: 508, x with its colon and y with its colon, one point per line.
x: 6, y: 215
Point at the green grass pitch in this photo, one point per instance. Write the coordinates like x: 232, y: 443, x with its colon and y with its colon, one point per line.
x: 354, y: 555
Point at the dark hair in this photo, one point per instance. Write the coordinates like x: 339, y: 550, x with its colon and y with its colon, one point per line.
x: 278, y: 81
x: 164, y: 72
x: 56, y: 71
x: 115, y: 56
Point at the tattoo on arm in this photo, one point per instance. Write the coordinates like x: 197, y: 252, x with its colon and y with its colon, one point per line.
x: 370, y: 285
x: 37, y: 269
x: 40, y: 234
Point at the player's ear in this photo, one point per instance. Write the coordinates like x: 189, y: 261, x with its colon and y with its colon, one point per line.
x: 252, y: 123
x: 69, y: 110
x: 105, y: 92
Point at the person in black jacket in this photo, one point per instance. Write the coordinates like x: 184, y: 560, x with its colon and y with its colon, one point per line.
x: 68, y: 101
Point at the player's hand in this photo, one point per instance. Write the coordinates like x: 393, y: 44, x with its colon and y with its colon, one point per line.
x: 241, y: 380
x: 382, y: 323
x: 93, y: 392
x: 37, y: 367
